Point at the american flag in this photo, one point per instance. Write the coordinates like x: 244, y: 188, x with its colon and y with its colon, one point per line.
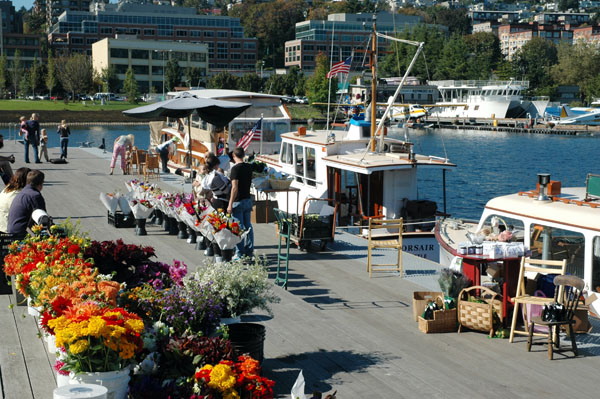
x: 253, y: 134
x: 340, y: 67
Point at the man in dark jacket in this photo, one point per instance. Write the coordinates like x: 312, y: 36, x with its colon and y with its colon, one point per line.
x: 27, y: 201
x: 33, y: 137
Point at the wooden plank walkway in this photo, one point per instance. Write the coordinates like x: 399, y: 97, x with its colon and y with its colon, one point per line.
x: 345, y: 331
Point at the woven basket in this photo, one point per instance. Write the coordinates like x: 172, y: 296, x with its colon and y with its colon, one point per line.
x: 277, y: 184
x: 479, y: 316
x: 443, y: 321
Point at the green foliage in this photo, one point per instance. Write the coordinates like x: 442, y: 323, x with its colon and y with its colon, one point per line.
x: 317, y: 86
x: 35, y: 76
x: 24, y: 83
x: 75, y: 73
x: 51, y: 79
x: 276, y: 84
x: 578, y: 64
x: 295, y: 81
x: 250, y: 82
x: 16, y: 72
x: 130, y: 86
x: 4, y: 75
x: 455, y: 60
x: 533, y: 63
x: 484, y: 54
x: 194, y: 76
x: 564, y: 5
x: 34, y: 22
x: 172, y: 74
x: 223, y: 80
x: 455, y: 19
x: 109, y: 79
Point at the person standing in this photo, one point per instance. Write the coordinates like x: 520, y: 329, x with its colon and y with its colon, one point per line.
x: 33, y: 137
x: 44, y: 145
x: 6, y: 172
x: 121, y: 144
x: 64, y: 132
x: 216, y: 184
x: 27, y: 201
x: 163, y: 151
x: 240, y: 201
x: 16, y: 184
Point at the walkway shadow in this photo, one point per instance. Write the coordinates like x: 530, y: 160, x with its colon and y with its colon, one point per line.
x: 319, y: 368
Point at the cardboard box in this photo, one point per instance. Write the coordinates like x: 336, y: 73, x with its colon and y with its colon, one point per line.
x: 421, y: 299
x: 263, y: 211
x: 494, y: 270
x: 582, y: 323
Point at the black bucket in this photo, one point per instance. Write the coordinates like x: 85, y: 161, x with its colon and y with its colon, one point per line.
x: 248, y: 338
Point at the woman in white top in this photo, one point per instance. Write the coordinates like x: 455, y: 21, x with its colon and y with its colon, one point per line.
x: 121, y: 144
x: 216, y: 183
x: 16, y: 184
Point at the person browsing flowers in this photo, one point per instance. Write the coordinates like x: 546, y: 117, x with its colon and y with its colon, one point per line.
x: 240, y: 200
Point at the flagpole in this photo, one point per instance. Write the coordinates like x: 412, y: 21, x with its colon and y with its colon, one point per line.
x: 261, y: 133
x: 330, y: 66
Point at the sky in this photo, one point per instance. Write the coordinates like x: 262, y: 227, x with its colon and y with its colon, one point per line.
x: 22, y: 3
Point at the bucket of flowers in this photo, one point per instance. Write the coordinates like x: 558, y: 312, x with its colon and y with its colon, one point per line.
x: 141, y: 209
x: 227, y: 232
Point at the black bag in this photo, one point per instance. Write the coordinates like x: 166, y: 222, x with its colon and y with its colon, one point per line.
x: 58, y: 160
x: 554, y: 312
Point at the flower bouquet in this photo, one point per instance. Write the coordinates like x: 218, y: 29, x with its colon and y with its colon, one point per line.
x: 110, y: 201
x: 227, y: 233
x: 227, y: 379
x: 141, y: 208
x: 241, y: 287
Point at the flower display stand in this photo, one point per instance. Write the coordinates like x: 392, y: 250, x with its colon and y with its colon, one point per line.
x: 173, y: 227
x: 115, y: 381
x: 182, y: 234
x: 140, y: 227
x: 191, y: 239
x: 81, y: 391
x: 166, y: 224
x: 158, y: 220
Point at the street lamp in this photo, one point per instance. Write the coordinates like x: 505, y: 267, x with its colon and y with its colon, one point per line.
x: 163, y: 70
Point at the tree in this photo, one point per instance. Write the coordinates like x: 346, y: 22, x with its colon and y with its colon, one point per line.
x: 223, y: 80
x: 130, y: 86
x: 251, y: 82
x: 34, y: 22
x: 533, y: 62
x: 578, y: 64
x: 277, y: 84
x: 317, y: 86
x: 109, y: 79
x: 564, y: 5
x: 455, y: 60
x: 75, y: 73
x: 484, y: 54
x: 51, y: 78
x: 35, y: 76
x: 16, y: 72
x: 4, y: 75
x: 24, y: 83
x: 455, y: 19
x: 194, y: 76
x: 172, y: 74
x: 295, y: 81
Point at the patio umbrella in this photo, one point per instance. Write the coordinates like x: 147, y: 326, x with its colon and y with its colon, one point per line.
x: 215, y: 112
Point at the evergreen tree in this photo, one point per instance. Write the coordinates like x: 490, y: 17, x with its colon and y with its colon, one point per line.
x: 223, y: 80
x: 533, y: 62
x: 51, y: 79
x: 172, y: 74
x: 4, y: 76
x: 194, y: 76
x: 130, y: 86
x: 35, y: 76
x: 109, y: 79
x: 251, y: 82
x: 317, y: 86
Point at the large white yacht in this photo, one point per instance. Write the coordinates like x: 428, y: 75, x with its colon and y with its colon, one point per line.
x: 485, y: 99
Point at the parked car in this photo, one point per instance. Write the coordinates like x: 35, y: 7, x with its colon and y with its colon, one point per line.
x: 302, y: 100
x: 55, y: 98
x: 43, y: 97
x: 287, y: 99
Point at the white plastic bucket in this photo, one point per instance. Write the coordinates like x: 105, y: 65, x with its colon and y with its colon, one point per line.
x: 115, y: 381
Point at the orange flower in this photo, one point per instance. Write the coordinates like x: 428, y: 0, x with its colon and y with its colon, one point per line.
x: 110, y: 289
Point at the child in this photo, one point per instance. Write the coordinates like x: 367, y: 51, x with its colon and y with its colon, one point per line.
x: 44, y: 145
x: 23, y: 129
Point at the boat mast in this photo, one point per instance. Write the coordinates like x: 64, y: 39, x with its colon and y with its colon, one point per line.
x: 373, y: 62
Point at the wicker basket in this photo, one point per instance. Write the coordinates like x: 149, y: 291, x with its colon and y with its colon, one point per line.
x: 479, y: 316
x: 421, y: 299
x: 443, y: 321
x: 277, y: 184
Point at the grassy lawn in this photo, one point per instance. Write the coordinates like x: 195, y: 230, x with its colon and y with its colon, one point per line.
x: 49, y: 105
x: 300, y: 111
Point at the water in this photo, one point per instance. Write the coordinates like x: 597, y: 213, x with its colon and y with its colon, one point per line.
x: 489, y: 164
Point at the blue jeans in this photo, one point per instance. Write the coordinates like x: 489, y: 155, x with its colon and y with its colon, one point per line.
x: 64, y: 144
x: 242, y: 211
x: 164, y: 157
x: 35, y: 151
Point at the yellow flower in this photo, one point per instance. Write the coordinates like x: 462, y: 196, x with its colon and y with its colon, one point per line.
x: 79, y: 346
x: 231, y: 394
x: 96, y: 326
x: 127, y: 350
x: 135, y: 325
x: 221, y: 378
x: 117, y: 331
x: 111, y: 344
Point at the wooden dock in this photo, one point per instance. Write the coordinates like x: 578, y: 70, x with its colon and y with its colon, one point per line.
x: 346, y: 332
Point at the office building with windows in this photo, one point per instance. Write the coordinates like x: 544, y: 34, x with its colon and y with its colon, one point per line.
x: 228, y: 49
x: 346, y: 32
x: 148, y: 58
x: 12, y: 38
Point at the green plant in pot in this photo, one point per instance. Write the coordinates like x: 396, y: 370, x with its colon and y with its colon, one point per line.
x: 452, y: 283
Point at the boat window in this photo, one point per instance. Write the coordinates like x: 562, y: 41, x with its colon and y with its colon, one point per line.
x: 558, y: 244
x: 476, y: 107
x: 596, y: 265
x: 299, y: 162
x: 311, y: 173
x: 286, y: 153
x: 494, y: 225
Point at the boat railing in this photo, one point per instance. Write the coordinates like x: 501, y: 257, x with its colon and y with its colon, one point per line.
x: 448, y: 84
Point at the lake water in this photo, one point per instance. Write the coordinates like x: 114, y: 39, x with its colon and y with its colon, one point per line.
x: 488, y: 163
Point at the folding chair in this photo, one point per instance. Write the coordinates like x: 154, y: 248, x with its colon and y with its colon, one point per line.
x: 531, y: 267
x: 152, y: 166
x: 389, y: 224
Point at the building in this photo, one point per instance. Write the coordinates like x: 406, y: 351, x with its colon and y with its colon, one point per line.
x: 348, y: 31
x: 573, y: 18
x: 587, y: 34
x: 148, y: 58
x: 12, y: 37
x: 11, y: 19
x: 54, y: 8
x: 492, y: 16
x: 514, y: 36
x: 228, y: 49
x: 489, y: 26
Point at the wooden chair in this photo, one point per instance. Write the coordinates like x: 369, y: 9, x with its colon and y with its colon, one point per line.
x: 152, y: 166
x: 528, y: 266
x: 389, y: 224
x: 138, y: 160
x: 571, y: 288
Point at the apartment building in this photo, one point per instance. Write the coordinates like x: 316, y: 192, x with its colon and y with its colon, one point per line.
x: 148, y: 58
x: 345, y: 32
x: 492, y: 16
x: 588, y: 34
x: 228, y: 49
x: 514, y: 36
x: 12, y: 37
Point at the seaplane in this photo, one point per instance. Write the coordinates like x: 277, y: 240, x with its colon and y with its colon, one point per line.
x: 404, y: 112
x: 577, y: 116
